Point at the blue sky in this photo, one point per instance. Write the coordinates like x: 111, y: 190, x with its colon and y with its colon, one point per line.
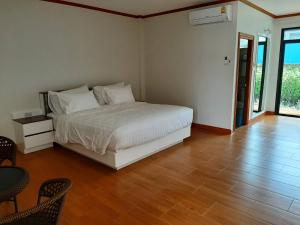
x: 292, y: 53
x: 260, y: 54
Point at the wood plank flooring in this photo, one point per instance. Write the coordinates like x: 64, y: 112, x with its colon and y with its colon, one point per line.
x: 250, y: 177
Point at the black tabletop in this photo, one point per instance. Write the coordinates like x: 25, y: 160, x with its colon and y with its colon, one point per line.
x: 12, y: 181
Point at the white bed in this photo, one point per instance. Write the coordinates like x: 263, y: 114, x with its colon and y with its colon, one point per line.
x: 118, y: 135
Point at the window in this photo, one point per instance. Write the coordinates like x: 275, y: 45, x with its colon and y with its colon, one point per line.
x: 288, y: 88
x: 260, y: 73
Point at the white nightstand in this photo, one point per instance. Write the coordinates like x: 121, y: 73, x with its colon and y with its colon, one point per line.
x: 35, y: 133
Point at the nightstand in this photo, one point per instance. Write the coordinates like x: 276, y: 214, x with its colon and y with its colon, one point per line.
x: 35, y: 133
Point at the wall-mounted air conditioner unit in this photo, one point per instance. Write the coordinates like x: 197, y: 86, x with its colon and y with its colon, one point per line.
x: 211, y: 15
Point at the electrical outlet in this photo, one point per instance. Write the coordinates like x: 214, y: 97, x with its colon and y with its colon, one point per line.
x: 226, y: 60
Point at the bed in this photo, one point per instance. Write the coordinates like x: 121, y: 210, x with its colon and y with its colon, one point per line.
x: 119, y: 135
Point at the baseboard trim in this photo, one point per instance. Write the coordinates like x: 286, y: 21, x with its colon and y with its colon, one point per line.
x: 213, y: 129
x: 261, y: 116
x: 270, y: 113
x: 257, y: 118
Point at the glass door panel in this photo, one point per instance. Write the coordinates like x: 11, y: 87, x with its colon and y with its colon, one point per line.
x: 242, y: 79
x: 290, y: 83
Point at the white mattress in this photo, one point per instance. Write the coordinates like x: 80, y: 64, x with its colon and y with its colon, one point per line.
x: 120, y: 126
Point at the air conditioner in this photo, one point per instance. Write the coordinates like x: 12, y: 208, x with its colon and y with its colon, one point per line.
x: 211, y: 15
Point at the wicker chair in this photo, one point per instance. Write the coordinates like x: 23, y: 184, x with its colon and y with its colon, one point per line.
x: 47, y: 212
x: 7, y: 150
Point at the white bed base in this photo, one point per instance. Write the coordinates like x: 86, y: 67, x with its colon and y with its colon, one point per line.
x: 122, y: 158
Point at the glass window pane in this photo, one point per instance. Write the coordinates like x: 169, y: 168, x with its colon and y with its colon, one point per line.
x: 293, y: 34
x: 260, y: 56
x: 292, y: 54
x: 243, y: 43
x: 258, y: 77
x: 262, y: 39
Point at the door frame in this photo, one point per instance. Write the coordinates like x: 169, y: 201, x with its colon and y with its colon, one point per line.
x: 280, y: 70
x: 249, y: 72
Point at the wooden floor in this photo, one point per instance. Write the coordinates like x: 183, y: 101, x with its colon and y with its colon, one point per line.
x: 251, y: 177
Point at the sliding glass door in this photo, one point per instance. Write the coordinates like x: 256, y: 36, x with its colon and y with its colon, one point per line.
x: 288, y: 91
x: 260, y: 73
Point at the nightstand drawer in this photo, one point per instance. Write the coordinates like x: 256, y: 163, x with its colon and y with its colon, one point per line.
x: 38, y: 140
x: 38, y: 127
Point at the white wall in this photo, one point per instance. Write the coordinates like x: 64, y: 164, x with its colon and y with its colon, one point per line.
x: 279, y: 24
x: 253, y: 22
x: 46, y: 46
x: 184, y: 65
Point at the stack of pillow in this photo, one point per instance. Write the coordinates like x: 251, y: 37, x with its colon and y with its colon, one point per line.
x: 82, y: 98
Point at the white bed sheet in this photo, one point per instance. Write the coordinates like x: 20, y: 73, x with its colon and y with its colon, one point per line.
x: 120, y: 126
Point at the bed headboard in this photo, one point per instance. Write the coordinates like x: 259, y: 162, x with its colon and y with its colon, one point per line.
x: 44, y: 101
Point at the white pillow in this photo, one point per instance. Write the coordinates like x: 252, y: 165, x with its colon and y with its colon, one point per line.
x: 71, y: 103
x: 118, y: 95
x: 101, y: 95
x: 53, y: 100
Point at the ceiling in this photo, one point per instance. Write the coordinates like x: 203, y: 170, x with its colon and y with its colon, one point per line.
x: 279, y: 7
x: 144, y: 7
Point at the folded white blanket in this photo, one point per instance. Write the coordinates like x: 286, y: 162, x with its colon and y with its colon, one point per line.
x: 121, y: 126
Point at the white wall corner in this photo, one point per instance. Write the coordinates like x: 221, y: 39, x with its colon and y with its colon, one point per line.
x: 234, y: 64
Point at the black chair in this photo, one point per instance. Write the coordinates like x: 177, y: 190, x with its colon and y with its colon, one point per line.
x: 47, y: 212
x: 7, y: 150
